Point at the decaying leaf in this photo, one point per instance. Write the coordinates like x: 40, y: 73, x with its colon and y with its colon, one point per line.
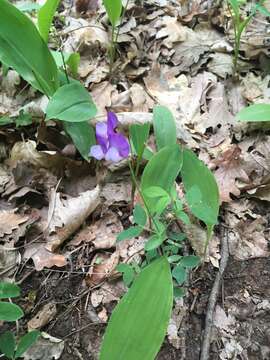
x: 10, y: 221
x: 102, y: 234
x: 229, y: 170
x: 46, y: 347
x: 44, y: 258
x: 43, y: 317
x: 66, y: 215
x: 102, y: 268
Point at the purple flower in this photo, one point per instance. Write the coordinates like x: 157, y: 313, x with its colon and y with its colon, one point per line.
x: 111, y: 145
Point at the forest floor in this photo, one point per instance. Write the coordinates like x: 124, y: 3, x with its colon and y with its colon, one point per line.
x: 179, y: 54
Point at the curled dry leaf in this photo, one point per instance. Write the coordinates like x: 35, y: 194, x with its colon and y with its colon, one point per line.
x: 43, y: 317
x: 102, y: 267
x: 10, y: 221
x: 65, y: 216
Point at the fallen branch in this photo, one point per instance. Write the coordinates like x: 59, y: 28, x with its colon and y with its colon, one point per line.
x: 213, y: 296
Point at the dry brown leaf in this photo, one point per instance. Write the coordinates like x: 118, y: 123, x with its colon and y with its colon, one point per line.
x: 108, y: 292
x: 43, y: 258
x: 103, y: 270
x: 115, y: 193
x: 43, y: 317
x: 10, y: 221
x: 172, y: 31
x: 102, y: 233
x: 65, y: 216
x: 229, y: 170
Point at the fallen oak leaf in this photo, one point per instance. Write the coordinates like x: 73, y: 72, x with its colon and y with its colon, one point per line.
x: 228, y: 171
x: 43, y: 258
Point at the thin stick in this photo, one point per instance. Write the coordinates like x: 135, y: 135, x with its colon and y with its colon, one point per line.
x: 213, y: 296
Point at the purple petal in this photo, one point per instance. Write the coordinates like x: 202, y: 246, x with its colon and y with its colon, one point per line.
x: 113, y: 155
x: 97, y: 152
x: 119, y: 142
x: 102, y: 136
x: 112, y: 122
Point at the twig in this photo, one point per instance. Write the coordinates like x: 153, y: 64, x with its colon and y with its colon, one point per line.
x: 213, y: 296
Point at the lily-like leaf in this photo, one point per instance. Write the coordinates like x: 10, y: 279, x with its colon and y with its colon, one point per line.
x: 139, y: 322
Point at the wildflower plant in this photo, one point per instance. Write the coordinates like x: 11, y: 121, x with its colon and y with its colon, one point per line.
x: 240, y: 23
x: 138, y: 324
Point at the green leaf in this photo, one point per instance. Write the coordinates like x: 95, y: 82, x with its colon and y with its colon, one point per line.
x: 262, y: 10
x: 139, y: 322
x: 9, y: 290
x: 128, y: 273
x: 257, y: 112
x: 71, y: 103
x: 197, y: 176
x: 10, y: 312
x: 25, y: 51
x: 26, y: 342
x: 6, y: 120
x: 73, y: 63
x: 139, y: 135
x: 164, y: 127
x: 24, y: 119
x: 82, y: 135
x: 129, y: 233
x: 139, y: 215
x: 45, y: 17
x: 235, y: 6
x: 190, y: 261
x: 161, y: 171
x: 113, y: 9
x: 179, y: 274
x: 7, y: 344
x: 156, y: 192
x: 174, y: 258
x: 179, y: 292
x: 154, y: 242
x: 177, y: 236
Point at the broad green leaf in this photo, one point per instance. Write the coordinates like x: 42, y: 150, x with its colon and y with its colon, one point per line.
x: 128, y: 273
x: 256, y: 112
x: 156, y: 192
x: 6, y: 120
x: 161, y: 171
x: 23, y: 49
x: 190, y: 261
x: 174, y: 258
x: 71, y: 103
x: 139, y: 322
x: 82, y: 135
x: 139, y: 215
x: 24, y: 119
x: 113, y: 9
x: 45, y: 17
x: 177, y: 236
x: 196, y: 175
x: 179, y: 274
x: 9, y: 290
x: 129, y: 233
x: 10, y: 312
x: 154, y: 242
x: 26, y: 342
x: 164, y: 127
x: 139, y: 135
x: 7, y: 344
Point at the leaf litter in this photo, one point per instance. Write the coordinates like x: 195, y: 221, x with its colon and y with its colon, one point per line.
x: 168, y: 54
